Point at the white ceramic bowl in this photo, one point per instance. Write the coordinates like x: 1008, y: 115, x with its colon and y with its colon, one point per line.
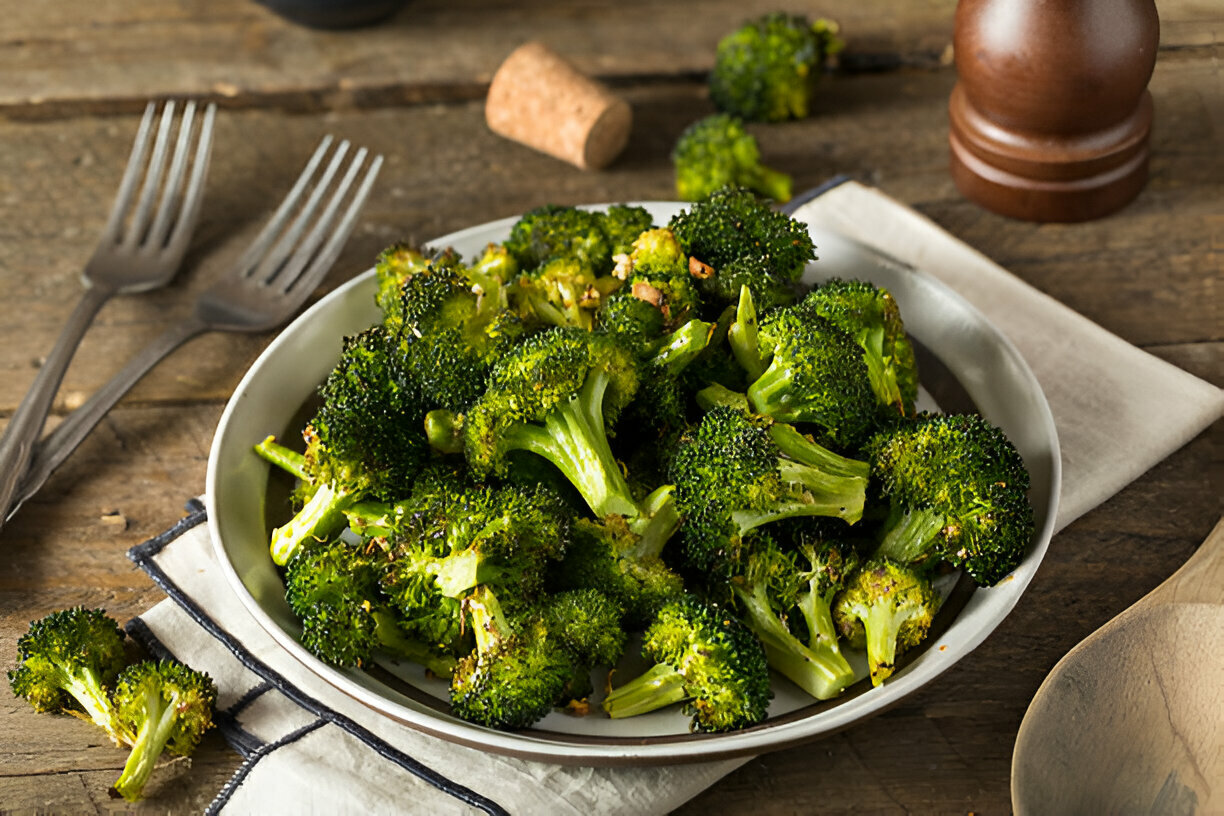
x: 989, y: 370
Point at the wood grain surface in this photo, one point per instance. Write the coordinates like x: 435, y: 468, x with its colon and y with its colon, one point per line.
x: 76, y: 73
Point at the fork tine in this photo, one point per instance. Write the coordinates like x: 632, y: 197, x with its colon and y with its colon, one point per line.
x: 194, y: 193
x: 152, y: 182
x: 174, y: 178
x: 267, y: 235
x: 307, y: 246
x: 305, y: 281
x: 274, y: 261
x: 135, y: 168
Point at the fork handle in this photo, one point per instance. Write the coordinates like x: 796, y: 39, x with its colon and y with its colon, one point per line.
x: 23, y: 430
x: 60, y: 443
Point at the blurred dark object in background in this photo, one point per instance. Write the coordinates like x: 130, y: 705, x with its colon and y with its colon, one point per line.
x: 334, y: 13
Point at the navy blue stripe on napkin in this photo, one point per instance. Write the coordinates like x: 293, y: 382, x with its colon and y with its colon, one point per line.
x: 143, y: 555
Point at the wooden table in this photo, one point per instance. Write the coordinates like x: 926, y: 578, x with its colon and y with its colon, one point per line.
x: 77, y: 73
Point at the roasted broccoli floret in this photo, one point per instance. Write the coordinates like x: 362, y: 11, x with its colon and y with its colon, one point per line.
x: 870, y: 315
x: 395, y: 265
x: 610, y: 557
x: 705, y: 658
x: 560, y: 292
x: 334, y: 589
x: 622, y: 224
x: 741, y: 241
x: 367, y: 439
x: 449, y: 336
x: 161, y: 705
x: 766, y: 70
x: 447, y: 541
x: 656, y: 271
x: 816, y: 374
x: 555, y: 231
x: 736, y: 471
x: 783, y: 590
x: 717, y: 151
x: 958, y: 492
x: 522, y: 666
x: 67, y: 662
x: 887, y: 607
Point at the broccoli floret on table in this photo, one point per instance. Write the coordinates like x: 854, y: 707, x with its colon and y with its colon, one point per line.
x: 67, y: 662
x: 705, y: 658
x: 958, y: 492
x: 870, y: 315
x: 741, y: 241
x: 888, y: 608
x: 161, y: 706
x: 717, y: 151
x: 815, y: 374
x: 766, y: 69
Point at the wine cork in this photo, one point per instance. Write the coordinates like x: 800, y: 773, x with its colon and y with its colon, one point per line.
x: 539, y: 99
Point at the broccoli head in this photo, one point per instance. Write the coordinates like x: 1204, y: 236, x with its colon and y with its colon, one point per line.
x: 888, y: 607
x: 705, y: 658
x: 766, y: 70
x: 739, y: 240
x: 67, y: 661
x: 870, y: 315
x: 816, y: 374
x: 958, y: 492
x: 737, y: 471
x: 162, y: 706
x: 718, y: 151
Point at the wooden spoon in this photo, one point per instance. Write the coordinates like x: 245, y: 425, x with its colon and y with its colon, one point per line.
x: 1132, y: 719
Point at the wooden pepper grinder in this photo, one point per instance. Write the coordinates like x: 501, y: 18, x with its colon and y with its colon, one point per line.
x: 1051, y: 115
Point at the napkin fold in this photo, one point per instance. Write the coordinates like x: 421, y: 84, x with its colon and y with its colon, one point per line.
x: 309, y: 748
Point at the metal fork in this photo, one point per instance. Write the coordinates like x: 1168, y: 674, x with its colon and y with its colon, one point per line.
x: 140, y: 249
x: 272, y: 279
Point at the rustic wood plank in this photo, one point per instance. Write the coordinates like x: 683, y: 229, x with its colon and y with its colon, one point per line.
x: 78, y: 56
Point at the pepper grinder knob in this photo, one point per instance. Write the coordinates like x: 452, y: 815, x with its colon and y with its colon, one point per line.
x: 1050, y: 117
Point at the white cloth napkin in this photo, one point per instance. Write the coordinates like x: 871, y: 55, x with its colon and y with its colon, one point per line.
x: 311, y: 749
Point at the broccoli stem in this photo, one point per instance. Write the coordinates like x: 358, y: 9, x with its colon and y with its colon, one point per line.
x: 659, y: 519
x: 150, y: 739
x: 85, y: 686
x: 660, y: 686
x: 910, y: 534
x: 801, y: 449
x: 574, y: 439
x: 392, y: 640
x: 744, y: 337
x: 682, y: 346
x: 769, y: 182
x: 283, y: 457
x: 883, y: 380
x: 318, y: 518
x: 773, y: 394
x: 882, y: 623
x: 715, y: 394
x: 818, y: 668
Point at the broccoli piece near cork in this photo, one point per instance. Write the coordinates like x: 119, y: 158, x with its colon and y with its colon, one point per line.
x: 736, y: 239
x: 888, y: 608
x: 162, y: 706
x: 736, y: 471
x: 958, y: 492
x: 766, y: 70
x: 718, y: 151
x: 705, y: 658
x: 67, y: 662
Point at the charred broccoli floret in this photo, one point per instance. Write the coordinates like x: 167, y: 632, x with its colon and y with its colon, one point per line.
x: 718, y: 151
x: 887, y: 607
x: 742, y: 241
x: 785, y: 590
x: 958, y: 492
x: 869, y: 314
x: 815, y: 374
x: 67, y: 662
x: 736, y: 471
x: 162, y: 706
x: 704, y: 658
x: 766, y: 70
